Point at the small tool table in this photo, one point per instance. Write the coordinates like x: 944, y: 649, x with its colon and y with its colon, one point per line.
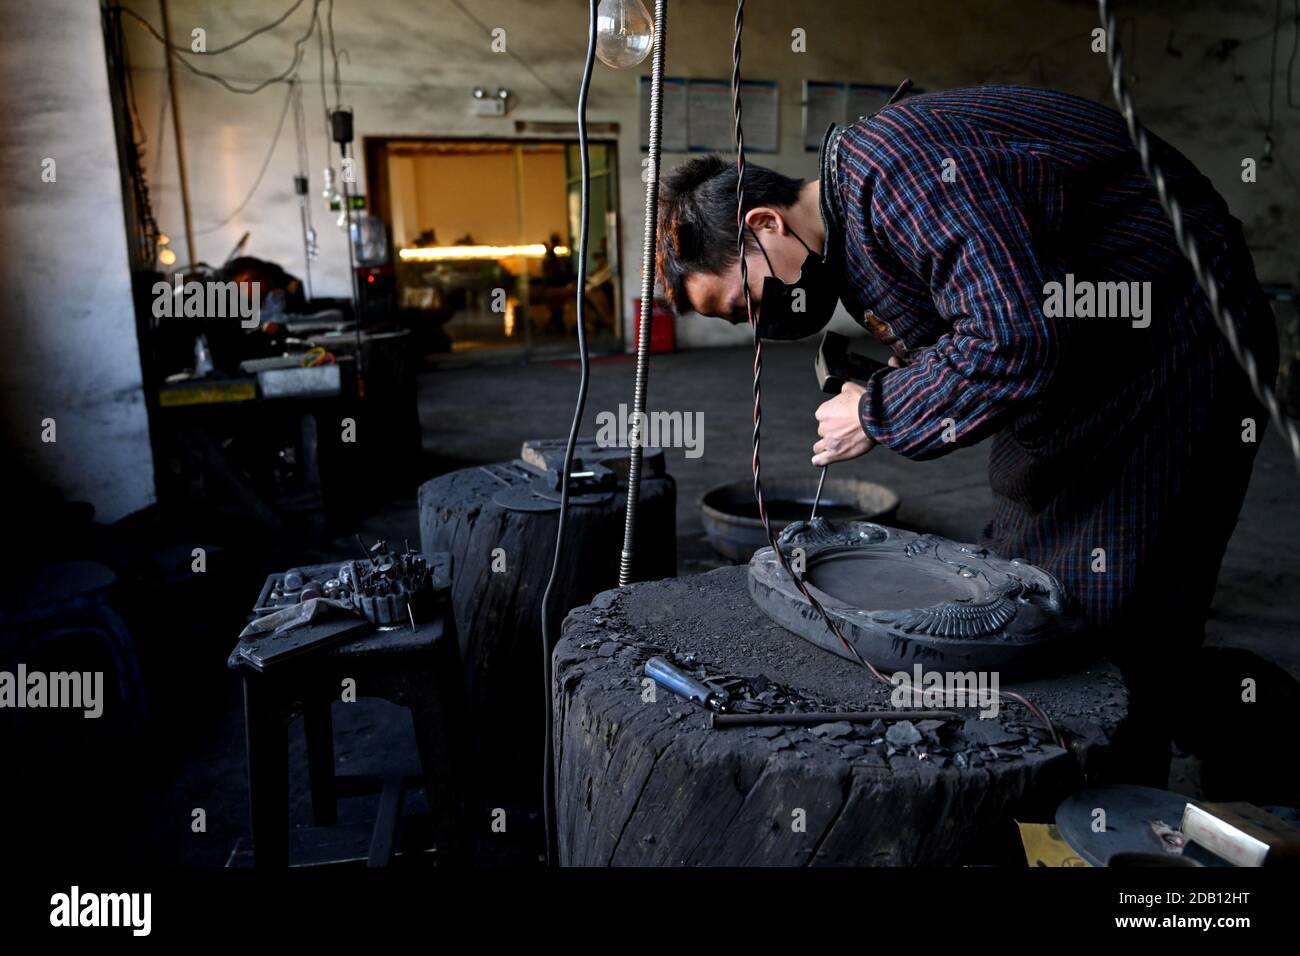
x: 418, y: 669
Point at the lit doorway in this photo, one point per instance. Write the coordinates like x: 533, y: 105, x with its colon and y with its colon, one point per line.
x: 486, y: 235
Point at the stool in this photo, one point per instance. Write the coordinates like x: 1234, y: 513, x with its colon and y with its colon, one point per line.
x: 417, y: 669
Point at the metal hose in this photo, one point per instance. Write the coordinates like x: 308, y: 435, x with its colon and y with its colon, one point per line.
x: 1186, y: 241
x: 647, y: 294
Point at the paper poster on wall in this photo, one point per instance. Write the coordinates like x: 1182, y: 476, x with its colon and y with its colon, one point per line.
x: 711, y: 122
x: 866, y: 98
x: 672, y: 135
x: 823, y: 104
x: 826, y: 103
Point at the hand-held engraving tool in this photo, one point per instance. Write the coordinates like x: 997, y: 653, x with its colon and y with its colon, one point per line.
x: 835, y: 365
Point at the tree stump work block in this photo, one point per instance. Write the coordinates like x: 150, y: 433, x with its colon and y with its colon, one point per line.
x: 652, y: 784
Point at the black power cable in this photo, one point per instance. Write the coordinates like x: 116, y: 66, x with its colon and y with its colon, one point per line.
x: 548, y: 792
x: 173, y: 50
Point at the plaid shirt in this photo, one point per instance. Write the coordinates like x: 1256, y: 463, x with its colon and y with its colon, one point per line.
x: 952, y: 212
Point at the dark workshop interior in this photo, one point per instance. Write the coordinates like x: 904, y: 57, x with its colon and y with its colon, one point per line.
x: 353, y: 522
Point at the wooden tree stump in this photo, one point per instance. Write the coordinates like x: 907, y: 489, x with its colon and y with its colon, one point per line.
x: 498, y: 611
x: 652, y: 784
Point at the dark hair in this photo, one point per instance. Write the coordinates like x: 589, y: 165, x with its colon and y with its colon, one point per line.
x: 697, y: 217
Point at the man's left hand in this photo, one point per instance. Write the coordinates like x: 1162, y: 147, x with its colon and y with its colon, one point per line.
x: 842, y: 435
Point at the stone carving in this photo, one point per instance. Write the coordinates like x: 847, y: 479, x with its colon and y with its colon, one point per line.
x: 904, y: 599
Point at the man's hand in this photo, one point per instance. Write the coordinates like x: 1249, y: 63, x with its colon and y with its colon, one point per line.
x: 840, y: 428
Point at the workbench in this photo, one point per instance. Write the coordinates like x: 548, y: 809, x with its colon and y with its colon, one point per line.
x: 643, y: 779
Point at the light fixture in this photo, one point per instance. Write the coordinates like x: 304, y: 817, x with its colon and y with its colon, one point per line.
x: 166, y: 257
x: 330, y: 192
x: 535, y: 250
x: 624, y: 33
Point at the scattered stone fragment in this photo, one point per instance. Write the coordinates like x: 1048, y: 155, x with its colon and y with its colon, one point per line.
x: 853, y: 750
x: 768, y: 732
x: 987, y: 733
x: 903, y: 734
x: 778, y: 743
x: 841, y: 728
x: 929, y: 726
x: 608, y: 649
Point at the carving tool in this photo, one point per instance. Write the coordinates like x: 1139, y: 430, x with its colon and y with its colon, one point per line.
x: 684, y: 685
x: 818, y: 498
x: 834, y: 365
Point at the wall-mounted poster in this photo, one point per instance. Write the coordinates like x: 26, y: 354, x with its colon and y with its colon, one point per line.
x: 698, y: 116
x: 826, y: 103
x: 823, y: 104
x: 711, y: 120
x: 673, y: 113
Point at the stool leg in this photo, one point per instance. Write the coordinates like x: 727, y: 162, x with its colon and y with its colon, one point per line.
x: 268, y: 775
x: 441, y: 771
x: 318, y: 728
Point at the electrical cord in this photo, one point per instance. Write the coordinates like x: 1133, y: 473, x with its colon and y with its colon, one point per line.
x: 548, y: 792
x: 1187, y: 243
x: 171, y: 49
x: 266, y: 163
x: 512, y: 54
x: 756, y: 463
x: 181, y: 48
x: 1295, y: 47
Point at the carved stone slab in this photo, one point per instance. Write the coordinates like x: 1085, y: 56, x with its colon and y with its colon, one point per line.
x: 904, y: 599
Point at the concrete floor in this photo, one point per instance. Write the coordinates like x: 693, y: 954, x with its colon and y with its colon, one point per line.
x: 480, y: 415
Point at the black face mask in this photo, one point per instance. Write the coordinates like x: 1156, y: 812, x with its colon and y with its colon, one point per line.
x: 799, y: 309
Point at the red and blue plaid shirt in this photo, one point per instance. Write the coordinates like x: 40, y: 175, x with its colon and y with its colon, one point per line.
x: 955, y: 211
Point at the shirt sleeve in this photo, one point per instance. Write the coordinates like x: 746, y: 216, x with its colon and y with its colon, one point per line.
x: 967, y: 235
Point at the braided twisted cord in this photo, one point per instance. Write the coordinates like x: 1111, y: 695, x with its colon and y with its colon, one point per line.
x: 1187, y: 243
x: 756, y: 463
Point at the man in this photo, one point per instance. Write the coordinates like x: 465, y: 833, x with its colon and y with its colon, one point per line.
x: 1006, y: 245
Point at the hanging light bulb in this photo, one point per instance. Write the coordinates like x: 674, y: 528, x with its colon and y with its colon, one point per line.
x: 624, y: 33
x: 330, y: 192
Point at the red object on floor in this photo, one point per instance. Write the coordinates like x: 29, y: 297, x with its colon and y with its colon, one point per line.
x: 663, y: 333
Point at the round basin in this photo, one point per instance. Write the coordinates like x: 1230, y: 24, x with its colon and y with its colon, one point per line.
x: 730, y: 513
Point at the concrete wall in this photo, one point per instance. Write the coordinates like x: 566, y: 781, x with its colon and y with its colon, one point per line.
x: 68, y: 348
x: 411, y: 64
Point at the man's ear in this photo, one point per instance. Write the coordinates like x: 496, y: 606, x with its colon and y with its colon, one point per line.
x: 765, y: 219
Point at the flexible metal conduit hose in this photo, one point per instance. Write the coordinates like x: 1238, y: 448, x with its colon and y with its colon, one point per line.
x: 758, y: 398
x: 548, y: 784
x: 1186, y: 241
x: 647, y: 293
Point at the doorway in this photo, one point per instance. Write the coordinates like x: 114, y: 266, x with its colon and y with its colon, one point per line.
x: 486, y: 235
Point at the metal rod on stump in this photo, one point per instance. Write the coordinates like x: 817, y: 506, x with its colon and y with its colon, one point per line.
x: 647, y: 294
